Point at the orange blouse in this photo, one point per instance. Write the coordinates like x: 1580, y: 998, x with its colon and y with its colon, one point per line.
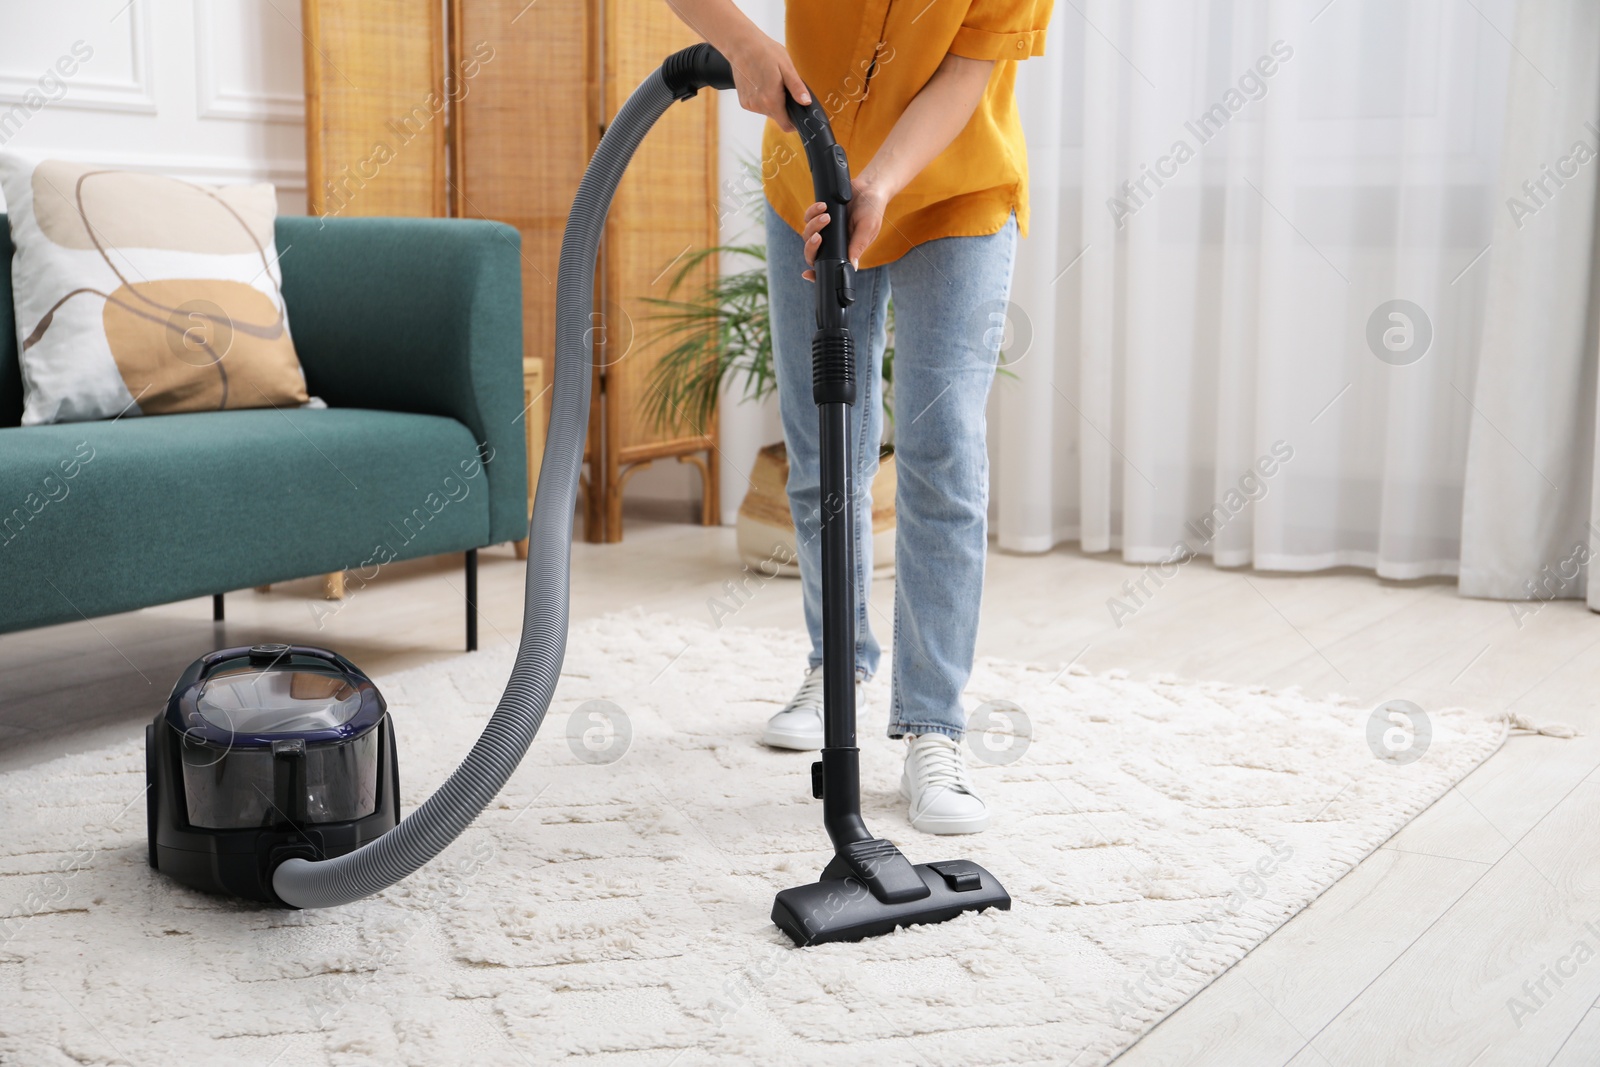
x: 864, y: 61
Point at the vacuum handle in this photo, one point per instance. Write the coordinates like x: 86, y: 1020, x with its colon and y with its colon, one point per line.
x: 830, y: 185
x: 830, y: 174
x: 701, y: 66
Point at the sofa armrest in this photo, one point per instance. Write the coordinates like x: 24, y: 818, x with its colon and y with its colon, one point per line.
x: 418, y: 315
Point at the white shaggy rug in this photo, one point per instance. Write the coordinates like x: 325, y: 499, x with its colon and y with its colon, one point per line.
x: 617, y: 913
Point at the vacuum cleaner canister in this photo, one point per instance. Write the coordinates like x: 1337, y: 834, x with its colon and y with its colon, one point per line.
x: 264, y: 754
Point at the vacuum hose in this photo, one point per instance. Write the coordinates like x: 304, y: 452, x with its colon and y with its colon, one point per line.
x: 423, y: 834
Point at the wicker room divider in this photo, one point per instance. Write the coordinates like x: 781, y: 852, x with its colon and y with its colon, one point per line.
x: 490, y: 109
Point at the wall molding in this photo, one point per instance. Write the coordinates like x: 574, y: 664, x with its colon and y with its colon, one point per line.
x: 215, y: 102
x: 135, y: 94
x: 286, y: 174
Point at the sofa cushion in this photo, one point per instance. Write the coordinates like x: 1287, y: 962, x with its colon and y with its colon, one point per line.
x: 111, y: 516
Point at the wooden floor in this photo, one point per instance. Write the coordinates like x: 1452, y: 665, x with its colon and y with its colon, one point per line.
x: 1413, y: 958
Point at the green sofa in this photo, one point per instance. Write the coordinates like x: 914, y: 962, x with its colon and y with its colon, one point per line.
x: 409, y: 329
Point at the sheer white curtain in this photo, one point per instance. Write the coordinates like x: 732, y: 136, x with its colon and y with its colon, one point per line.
x: 1205, y: 346
x: 1531, y: 521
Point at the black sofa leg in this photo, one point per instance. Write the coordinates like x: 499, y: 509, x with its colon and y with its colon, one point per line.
x: 472, y: 600
x: 216, y: 607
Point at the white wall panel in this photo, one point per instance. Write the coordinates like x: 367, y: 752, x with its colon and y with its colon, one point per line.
x: 109, y: 47
x: 240, y: 61
x: 205, y: 90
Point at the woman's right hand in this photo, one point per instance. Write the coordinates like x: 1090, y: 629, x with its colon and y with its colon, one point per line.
x: 762, y: 71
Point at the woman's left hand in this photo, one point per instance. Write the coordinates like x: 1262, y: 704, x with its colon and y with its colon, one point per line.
x: 868, y: 202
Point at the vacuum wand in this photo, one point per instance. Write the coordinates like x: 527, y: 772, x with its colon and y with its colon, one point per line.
x: 833, y: 388
x: 869, y: 887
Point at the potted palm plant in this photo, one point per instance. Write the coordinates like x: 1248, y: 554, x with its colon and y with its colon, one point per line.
x: 722, y: 335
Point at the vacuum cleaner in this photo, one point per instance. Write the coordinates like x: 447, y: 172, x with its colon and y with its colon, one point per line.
x: 272, y: 771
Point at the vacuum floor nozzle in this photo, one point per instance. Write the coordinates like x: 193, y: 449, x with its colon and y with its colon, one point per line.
x: 845, y: 908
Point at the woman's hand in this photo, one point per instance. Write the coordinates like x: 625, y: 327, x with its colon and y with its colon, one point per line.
x: 762, y: 69
x: 868, y: 202
x: 764, y: 76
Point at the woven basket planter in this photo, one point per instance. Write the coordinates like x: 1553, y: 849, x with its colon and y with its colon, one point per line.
x: 765, y: 528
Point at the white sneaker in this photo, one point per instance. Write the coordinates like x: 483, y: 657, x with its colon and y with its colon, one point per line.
x: 799, y: 725
x: 935, y: 782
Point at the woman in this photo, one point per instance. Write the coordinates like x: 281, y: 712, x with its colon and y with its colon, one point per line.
x: 921, y: 95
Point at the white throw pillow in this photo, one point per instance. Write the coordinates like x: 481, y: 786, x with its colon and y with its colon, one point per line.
x: 142, y: 294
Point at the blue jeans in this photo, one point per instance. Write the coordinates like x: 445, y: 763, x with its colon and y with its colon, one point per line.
x: 949, y: 302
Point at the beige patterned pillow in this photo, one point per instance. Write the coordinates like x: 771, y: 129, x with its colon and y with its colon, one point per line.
x: 141, y: 294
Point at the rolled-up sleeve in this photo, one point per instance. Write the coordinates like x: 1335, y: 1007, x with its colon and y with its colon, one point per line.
x: 1002, y: 29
